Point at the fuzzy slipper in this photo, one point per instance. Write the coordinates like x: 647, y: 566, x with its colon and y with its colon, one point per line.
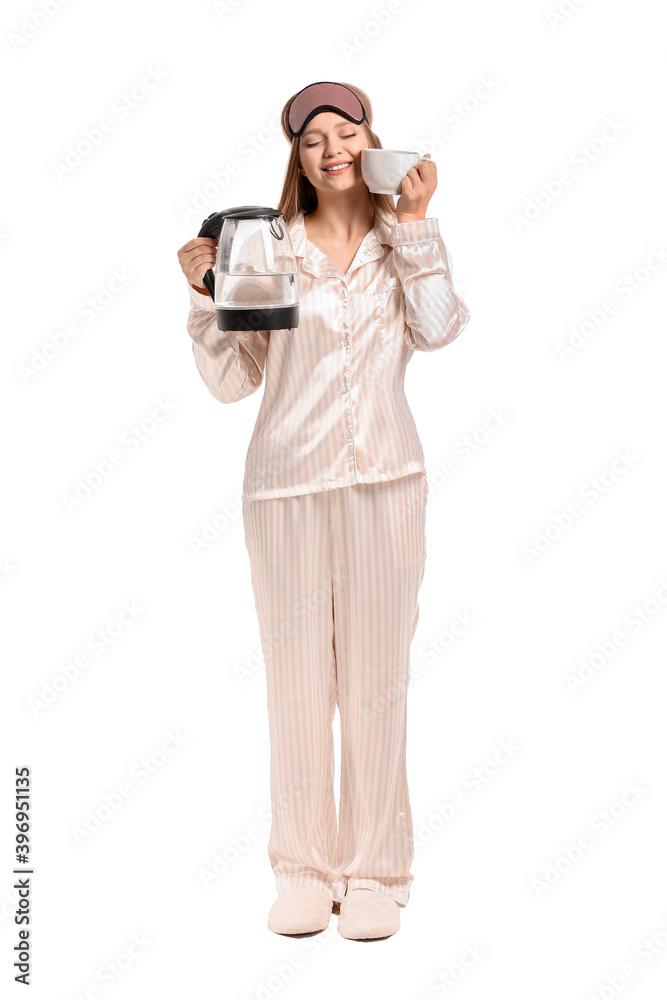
x: 301, y: 910
x: 365, y: 913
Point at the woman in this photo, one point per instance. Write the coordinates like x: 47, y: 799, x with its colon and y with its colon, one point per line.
x: 334, y: 508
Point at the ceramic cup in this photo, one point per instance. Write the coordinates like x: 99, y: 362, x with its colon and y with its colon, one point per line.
x: 384, y: 169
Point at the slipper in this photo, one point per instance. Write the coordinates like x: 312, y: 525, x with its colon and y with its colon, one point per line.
x: 301, y: 910
x: 366, y: 913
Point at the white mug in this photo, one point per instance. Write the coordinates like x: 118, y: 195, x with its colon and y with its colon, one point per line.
x: 384, y: 169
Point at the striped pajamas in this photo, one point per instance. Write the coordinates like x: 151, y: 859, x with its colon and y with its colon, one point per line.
x: 335, y: 576
x: 334, y: 499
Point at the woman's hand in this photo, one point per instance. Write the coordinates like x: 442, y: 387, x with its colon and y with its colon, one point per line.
x: 196, y: 257
x: 417, y: 188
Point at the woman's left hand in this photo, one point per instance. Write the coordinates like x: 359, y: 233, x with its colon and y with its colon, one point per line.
x: 417, y: 188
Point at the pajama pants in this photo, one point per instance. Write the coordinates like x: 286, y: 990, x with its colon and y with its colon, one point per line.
x: 335, y: 576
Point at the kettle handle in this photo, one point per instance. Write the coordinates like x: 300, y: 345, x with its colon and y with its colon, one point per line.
x: 209, y: 281
x: 211, y: 227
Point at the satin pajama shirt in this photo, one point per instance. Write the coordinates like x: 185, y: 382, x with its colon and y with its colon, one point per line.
x: 334, y: 498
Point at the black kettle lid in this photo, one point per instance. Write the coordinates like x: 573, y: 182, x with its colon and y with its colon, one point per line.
x: 250, y: 212
x: 212, y: 224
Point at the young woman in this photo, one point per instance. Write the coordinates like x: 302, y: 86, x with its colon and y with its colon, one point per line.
x: 334, y: 501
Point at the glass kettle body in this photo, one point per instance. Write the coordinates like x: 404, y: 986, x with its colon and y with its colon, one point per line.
x: 255, y: 284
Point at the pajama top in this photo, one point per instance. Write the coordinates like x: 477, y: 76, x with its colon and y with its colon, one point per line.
x: 334, y: 411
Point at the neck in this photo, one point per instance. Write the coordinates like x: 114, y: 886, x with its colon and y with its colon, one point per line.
x: 344, y: 215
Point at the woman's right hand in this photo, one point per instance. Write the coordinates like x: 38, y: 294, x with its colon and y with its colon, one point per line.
x: 196, y: 257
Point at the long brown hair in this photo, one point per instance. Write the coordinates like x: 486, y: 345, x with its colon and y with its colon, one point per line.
x: 299, y: 194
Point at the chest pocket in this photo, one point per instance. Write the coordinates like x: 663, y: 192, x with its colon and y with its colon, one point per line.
x: 389, y: 309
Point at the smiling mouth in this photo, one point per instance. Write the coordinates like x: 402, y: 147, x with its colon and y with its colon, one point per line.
x: 338, y: 168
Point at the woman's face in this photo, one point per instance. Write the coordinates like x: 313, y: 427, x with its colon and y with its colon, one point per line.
x: 330, y: 138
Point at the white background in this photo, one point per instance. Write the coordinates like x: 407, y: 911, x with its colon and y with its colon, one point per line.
x: 535, y: 96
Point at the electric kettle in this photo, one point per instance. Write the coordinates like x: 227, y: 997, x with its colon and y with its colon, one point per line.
x: 255, y: 285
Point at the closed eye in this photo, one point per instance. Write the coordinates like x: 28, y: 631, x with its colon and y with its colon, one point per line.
x: 309, y: 144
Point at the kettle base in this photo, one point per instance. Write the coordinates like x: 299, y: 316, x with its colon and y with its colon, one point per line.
x: 242, y: 320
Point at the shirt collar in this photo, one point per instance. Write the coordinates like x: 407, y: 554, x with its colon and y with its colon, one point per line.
x: 370, y: 248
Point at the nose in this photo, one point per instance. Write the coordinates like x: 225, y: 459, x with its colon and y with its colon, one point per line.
x: 331, y: 147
